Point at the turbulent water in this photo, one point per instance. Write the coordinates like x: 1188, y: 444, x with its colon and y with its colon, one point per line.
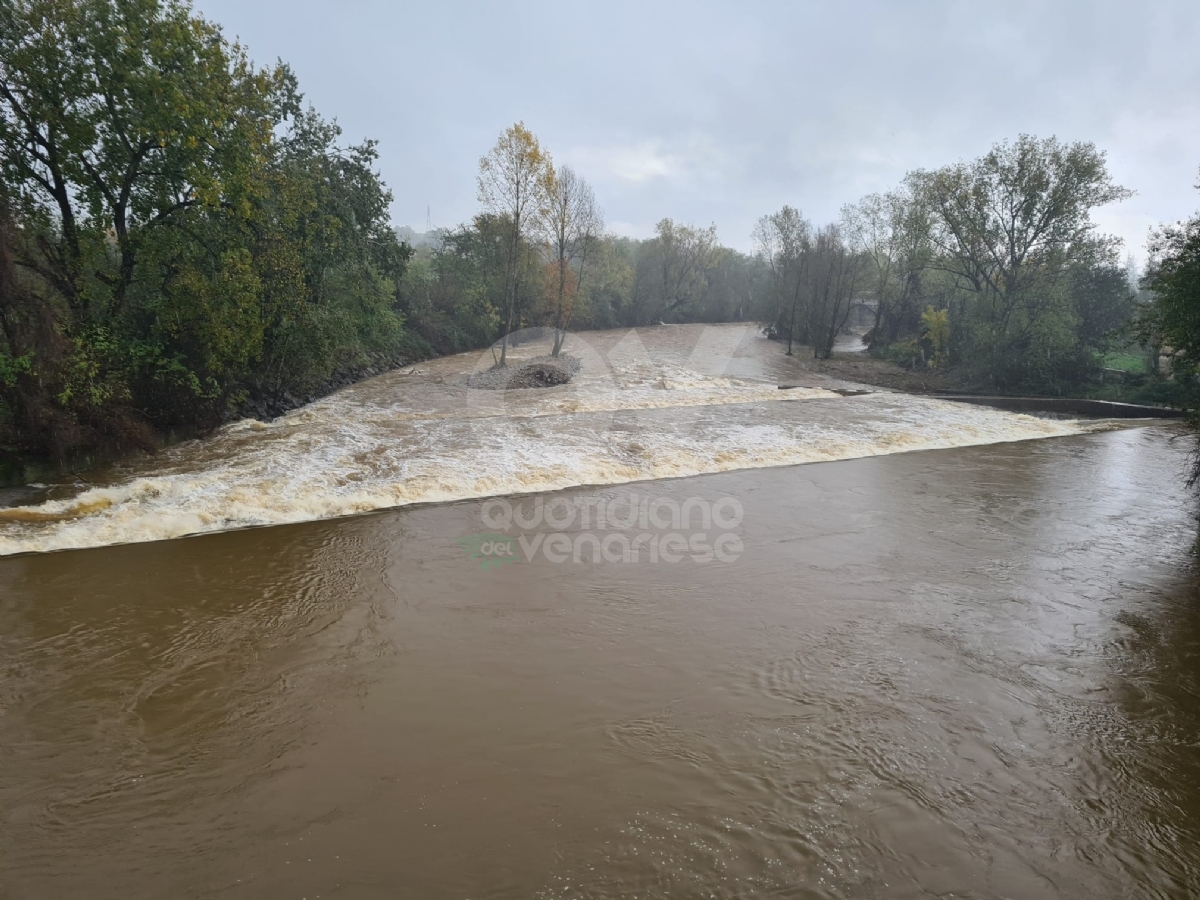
x: 658, y: 403
x: 971, y: 672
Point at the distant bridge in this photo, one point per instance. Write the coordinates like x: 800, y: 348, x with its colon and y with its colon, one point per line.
x: 861, y: 313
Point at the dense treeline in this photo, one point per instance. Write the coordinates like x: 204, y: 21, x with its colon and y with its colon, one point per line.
x: 179, y: 233
x: 453, y: 290
x: 992, y: 267
x: 538, y: 256
x: 182, y: 240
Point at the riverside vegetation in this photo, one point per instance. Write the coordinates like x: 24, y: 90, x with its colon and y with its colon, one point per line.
x: 183, y: 241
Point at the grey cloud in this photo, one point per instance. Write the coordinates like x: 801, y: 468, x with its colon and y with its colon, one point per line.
x: 722, y: 112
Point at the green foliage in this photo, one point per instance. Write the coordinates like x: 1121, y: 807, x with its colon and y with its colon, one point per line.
x: 935, y: 325
x: 907, y: 353
x: 609, y: 288
x: 1172, y: 321
x: 178, y: 233
x: 1013, y: 229
x: 329, y: 259
x: 11, y: 367
x: 453, y: 295
x: 1005, y: 245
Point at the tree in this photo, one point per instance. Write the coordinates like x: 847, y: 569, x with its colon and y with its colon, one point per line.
x: 684, y: 257
x: 327, y: 257
x: 574, y: 225
x: 891, y: 232
x: 1172, y: 319
x: 451, y: 294
x: 736, y: 288
x: 1008, y: 228
x: 115, y: 117
x: 133, y: 139
x: 935, y: 326
x: 784, y: 240
x: 514, y: 183
x: 834, y: 275
x: 1104, y: 302
x: 182, y: 235
x: 610, y: 287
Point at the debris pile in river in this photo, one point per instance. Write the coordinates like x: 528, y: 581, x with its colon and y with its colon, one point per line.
x: 540, y: 372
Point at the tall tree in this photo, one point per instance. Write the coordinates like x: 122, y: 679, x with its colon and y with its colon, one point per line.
x: 328, y: 260
x: 573, y: 225
x: 133, y: 139
x: 891, y: 232
x: 834, y: 275
x: 116, y: 116
x: 1009, y: 227
x: 183, y: 235
x: 686, y: 255
x: 784, y: 240
x: 514, y: 183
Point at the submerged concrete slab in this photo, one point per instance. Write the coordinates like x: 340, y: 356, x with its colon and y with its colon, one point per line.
x: 1106, y: 409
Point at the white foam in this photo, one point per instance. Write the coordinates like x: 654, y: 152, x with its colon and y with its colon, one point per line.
x: 394, y: 442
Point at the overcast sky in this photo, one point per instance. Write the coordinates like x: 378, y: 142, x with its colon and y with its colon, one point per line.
x: 720, y: 113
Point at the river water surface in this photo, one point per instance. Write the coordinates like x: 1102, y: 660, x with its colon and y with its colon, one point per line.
x: 971, y: 671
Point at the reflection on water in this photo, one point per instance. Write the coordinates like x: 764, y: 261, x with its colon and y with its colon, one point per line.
x: 972, y: 672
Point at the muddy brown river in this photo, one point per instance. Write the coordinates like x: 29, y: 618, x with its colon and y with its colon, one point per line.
x: 674, y: 632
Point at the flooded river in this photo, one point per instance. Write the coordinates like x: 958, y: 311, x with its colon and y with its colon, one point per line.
x: 659, y: 403
x: 670, y: 660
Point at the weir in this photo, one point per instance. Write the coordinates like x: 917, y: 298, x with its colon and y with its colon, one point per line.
x: 649, y: 404
x: 1069, y: 406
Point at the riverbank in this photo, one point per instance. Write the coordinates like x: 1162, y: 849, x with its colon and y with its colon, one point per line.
x: 862, y: 368
x: 263, y: 404
x: 266, y: 404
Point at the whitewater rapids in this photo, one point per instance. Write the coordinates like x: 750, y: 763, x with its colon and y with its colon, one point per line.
x: 653, y: 403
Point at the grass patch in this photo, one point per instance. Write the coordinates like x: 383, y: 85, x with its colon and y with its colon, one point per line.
x: 1131, y: 363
